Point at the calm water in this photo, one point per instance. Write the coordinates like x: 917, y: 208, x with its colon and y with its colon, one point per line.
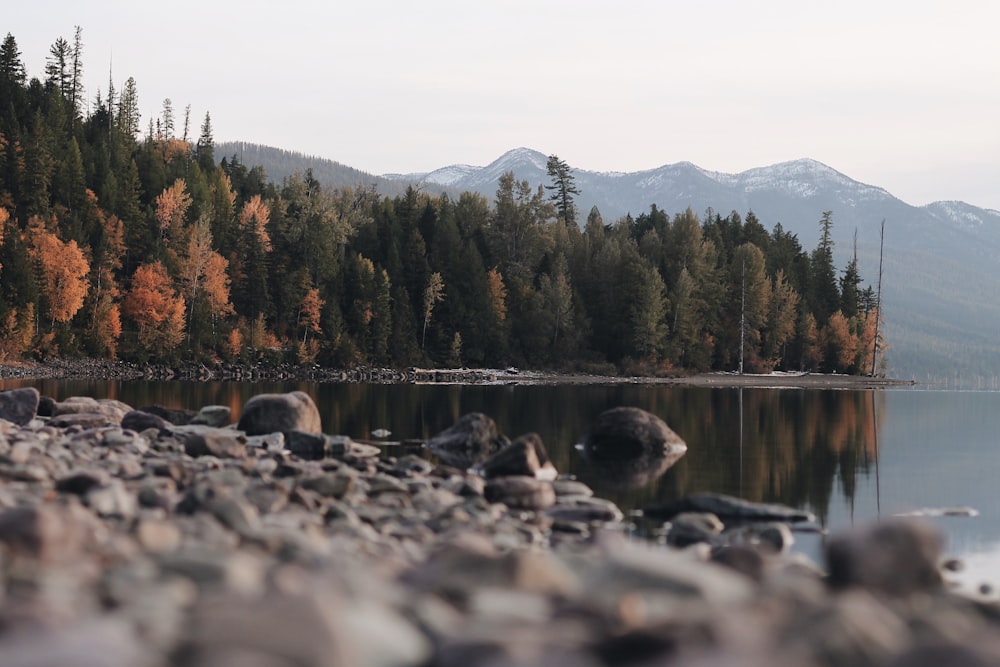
x: 847, y: 456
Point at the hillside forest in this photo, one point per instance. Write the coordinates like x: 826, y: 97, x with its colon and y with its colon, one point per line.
x: 123, y: 237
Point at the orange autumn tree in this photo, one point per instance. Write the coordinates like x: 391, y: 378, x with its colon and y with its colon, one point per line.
x: 63, y: 270
x: 156, y: 308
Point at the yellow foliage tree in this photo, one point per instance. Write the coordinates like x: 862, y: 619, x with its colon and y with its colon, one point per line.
x: 254, y: 217
x: 171, y: 207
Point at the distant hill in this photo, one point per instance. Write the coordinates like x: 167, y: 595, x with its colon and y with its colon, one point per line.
x: 942, y: 261
x: 279, y: 164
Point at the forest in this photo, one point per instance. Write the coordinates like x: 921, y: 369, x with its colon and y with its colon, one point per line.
x: 127, y: 239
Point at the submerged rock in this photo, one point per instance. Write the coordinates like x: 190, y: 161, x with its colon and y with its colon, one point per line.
x: 728, y: 508
x: 631, y: 447
x: 473, y: 438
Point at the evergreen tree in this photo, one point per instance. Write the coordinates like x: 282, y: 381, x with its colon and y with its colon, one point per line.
x: 825, y: 294
x: 205, y: 149
x: 563, y: 188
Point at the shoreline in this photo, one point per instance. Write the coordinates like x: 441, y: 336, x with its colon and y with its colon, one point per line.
x: 101, y: 369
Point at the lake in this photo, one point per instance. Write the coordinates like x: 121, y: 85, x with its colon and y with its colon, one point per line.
x: 847, y: 456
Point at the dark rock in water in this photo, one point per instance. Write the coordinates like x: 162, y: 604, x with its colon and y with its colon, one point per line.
x: 898, y: 557
x: 174, y: 416
x: 525, y: 456
x: 19, y: 405
x: 631, y: 447
x: 270, y: 413
x: 727, y: 508
x: 473, y: 438
x: 140, y: 420
x: 520, y: 492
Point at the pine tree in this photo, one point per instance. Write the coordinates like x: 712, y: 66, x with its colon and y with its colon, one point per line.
x: 826, y: 295
x: 563, y: 188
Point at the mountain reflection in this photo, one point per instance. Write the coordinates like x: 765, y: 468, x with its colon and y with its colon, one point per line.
x: 769, y: 445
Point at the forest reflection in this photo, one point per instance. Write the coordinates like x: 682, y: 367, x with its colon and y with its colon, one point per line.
x: 771, y: 445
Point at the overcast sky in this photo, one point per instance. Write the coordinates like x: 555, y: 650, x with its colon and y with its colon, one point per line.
x: 903, y: 94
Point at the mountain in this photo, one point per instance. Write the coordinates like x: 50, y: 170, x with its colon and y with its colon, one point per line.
x: 940, y: 275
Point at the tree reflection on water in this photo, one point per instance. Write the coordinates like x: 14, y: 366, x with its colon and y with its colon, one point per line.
x: 770, y: 445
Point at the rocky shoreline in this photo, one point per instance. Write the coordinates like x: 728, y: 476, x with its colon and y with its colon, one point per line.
x: 104, y: 369
x: 153, y: 537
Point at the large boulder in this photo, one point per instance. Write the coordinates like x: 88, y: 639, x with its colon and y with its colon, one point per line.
x: 19, y: 405
x: 271, y: 413
x: 631, y: 447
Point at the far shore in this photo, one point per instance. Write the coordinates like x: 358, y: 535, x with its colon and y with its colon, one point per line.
x: 91, y: 369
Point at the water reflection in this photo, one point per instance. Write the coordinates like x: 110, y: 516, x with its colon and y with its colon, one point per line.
x: 796, y: 447
x: 846, y: 456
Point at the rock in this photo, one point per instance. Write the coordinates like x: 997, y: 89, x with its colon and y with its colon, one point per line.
x: 571, y: 487
x: 274, y: 629
x: 690, y: 528
x: 140, y: 420
x: 157, y: 535
x: 310, y: 446
x: 269, y: 413
x: 19, y: 405
x: 332, y: 485
x: 526, y: 455
x: 727, y: 508
x: 103, y: 641
x: 471, y: 439
x: 742, y: 559
x: 628, y: 569
x: 584, y: 509
x: 630, y: 447
x: 343, y: 447
x: 213, y: 415
x: 170, y: 415
x: 113, y: 411
x: 112, y: 501
x: 520, y: 492
x: 82, y: 420
x: 47, y: 532
x: 896, y: 557
x: 82, y: 481
x: 207, y: 441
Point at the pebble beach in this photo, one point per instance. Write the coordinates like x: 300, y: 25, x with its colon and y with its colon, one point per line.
x: 144, y: 536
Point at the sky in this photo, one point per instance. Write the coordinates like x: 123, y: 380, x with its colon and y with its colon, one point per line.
x: 901, y: 94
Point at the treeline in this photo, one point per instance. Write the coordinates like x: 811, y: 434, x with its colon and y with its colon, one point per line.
x: 126, y: 241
